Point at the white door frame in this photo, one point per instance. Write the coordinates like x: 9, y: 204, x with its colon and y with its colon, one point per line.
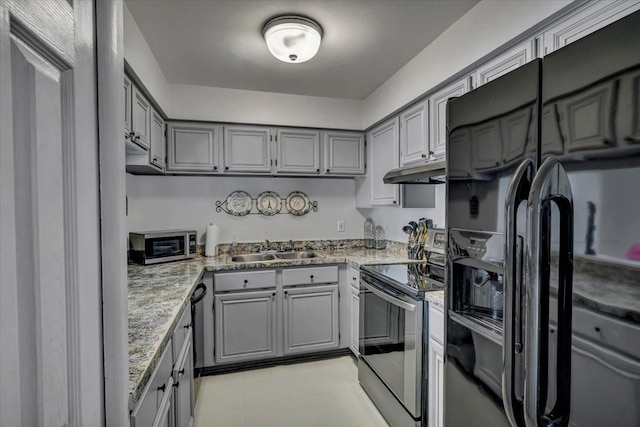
x: 110, y: 54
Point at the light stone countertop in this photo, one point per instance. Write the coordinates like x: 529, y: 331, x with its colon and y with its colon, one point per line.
x: 158, y: 295
x: 435, y: 298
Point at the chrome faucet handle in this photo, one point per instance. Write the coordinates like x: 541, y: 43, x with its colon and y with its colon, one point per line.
x: 292, y: 245
x: 268, y: 244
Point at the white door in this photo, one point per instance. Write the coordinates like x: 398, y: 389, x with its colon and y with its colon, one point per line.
x: 438, y: 129
x: 384, y: 156
x: 50, y: 301
x: 414, y: 134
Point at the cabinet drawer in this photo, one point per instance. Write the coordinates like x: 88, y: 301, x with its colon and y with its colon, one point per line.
x: 181, y: 332
x: 436, y: 324
x: 244, y: 280
x: 160, y: 382
x: 301, y: 276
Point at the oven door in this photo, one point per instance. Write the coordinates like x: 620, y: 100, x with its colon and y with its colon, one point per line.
x: 391, y: 340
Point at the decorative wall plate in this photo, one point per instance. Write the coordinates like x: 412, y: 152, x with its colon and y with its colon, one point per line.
x: 239, y: 203
x: 269, y: 203
x: 298, y: 203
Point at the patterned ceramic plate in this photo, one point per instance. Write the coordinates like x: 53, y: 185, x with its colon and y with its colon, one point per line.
x: 239, y: 203
x: 269, y: 203
x: 298, y: 203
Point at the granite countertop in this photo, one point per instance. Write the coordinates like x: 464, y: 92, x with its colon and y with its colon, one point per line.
x: 158, y: 294
x: 435, y: 298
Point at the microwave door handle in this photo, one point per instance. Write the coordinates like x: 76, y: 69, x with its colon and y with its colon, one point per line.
x: 551, y: 185
x: 390, y: 299
x: 517, y: 192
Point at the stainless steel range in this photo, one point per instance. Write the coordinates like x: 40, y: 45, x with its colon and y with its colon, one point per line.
x: 393, y: 361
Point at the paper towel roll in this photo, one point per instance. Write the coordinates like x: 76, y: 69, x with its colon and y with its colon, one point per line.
x: 212, y: 239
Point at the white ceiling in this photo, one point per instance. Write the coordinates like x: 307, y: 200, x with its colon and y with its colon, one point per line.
x: 219, y: 43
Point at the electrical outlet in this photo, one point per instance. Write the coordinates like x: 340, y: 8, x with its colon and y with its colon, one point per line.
x: 340, y: 226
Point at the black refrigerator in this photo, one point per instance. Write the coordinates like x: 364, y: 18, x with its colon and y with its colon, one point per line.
x: 543, y: 226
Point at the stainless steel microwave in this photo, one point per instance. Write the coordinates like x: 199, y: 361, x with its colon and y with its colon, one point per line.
x: 152, y: 247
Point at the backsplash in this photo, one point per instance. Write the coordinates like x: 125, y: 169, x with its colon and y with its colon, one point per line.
x: 316, y: 245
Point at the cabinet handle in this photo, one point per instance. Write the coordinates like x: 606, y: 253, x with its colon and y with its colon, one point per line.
x: 354, y: 278
x: 311, y: 277
x: 215, y: 168
x: 431, y: 153
x: 424, y: 155
x: 187, y: 326
x: 181, y: 371
x: 317, y: 170
x: 246, y: 281
x: 162, y: 388
x: 394, y: 202
x: 273, y: 294
x: 286, y: 292
x: 226, y: 168
x: 176, y: 384
x: 327, y: 170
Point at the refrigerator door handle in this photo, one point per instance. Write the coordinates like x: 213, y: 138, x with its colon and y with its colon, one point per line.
x: 517, y: 192
x: 550, y: 186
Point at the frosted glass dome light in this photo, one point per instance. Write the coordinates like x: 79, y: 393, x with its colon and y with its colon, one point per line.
x: 292, y: 39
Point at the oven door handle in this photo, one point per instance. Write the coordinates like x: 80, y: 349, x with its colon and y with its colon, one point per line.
x: 390, y: 299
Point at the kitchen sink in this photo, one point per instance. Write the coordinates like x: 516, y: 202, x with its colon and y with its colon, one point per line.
x: 273, y: 256
x: 296, y: 255
x: 252, y: 257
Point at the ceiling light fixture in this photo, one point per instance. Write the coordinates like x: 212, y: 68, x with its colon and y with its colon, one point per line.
x: 292, y: 39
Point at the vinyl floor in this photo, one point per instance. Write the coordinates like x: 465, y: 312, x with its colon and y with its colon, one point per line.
x: 323, y: 393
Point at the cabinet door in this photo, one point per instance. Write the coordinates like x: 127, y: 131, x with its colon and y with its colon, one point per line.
x: 157, y: 142
x: 507, y: 61
x: 298, y: 151
x: 184, y: 393
x: 159, y: 386
x: 247, y: 149
x: 589, y: 17
x: 140, y: 118
x: 192, y: 147
x: 311, y: 319
x: 355, y: 320
x: 245, y: 326
x: 414, y: 134
x: 343, y: 153
x: 436, y: 383
x: 127, y: 107
x: 165, y: 415
x: 384, y: 155
x: 438, y: 129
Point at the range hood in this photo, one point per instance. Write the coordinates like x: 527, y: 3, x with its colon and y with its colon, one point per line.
x: 426, y: 173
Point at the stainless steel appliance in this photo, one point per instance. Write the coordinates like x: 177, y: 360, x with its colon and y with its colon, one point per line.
x: 542, y: 218
x: 393, y: 362
x: 152, y: 247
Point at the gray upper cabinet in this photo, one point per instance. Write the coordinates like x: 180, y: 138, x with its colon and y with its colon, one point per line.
x: 297, y: 151
x: 245, y: 326
x: 343, y: 153
x: 247, y: 149
x: 384, y: 155
x: 311, y: 318
x: 140, y: 118
x: 438, y: 129
x: 414, y: 134
x: 157, y: 140
x: 127, y: 107
x: 589, y: 17
x: 507, y: 61
x: 193, y: 147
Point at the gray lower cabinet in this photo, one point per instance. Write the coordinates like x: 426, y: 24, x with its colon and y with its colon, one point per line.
x: 245, y: 326
x: 311, y: 318
x: 155, y: 407
x: 183, y: 387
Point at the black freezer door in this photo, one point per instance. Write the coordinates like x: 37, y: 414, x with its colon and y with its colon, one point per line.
x: 591, y: 124
x: 491, y: 131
